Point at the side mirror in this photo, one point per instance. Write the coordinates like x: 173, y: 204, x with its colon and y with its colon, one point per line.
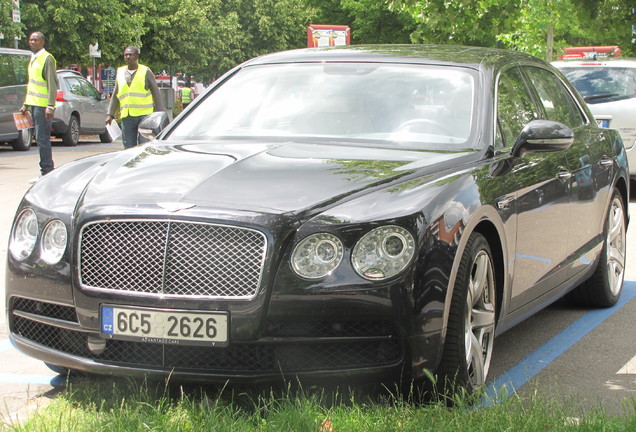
x: 543, y: 136
x: 103, y: 96
x: 152, y: 125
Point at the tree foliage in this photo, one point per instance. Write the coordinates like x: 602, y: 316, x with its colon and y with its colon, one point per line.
x: 205, y: 38
x: 521, y: 24
x: 8, y: 28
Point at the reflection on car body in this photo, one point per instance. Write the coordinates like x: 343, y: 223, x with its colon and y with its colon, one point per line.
x: 331, y: 212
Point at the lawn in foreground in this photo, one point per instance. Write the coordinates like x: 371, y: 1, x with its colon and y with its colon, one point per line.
x: 92, y: 404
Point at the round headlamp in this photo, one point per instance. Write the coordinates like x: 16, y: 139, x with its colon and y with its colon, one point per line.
x: 317, y: 255
x: 54, y: 239
x: 383, y: 252
x: 24, y: 235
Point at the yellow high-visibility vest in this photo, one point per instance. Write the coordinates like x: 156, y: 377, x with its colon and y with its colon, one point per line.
x: 37, y: 89
x: 186, y: 95
x: 134, y: 100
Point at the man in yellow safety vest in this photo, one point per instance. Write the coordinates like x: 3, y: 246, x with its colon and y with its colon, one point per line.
x: 186, y: 96
x: 135, y: 95
x: 40, y: 98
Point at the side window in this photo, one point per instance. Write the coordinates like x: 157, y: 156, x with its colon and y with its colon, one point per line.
x: 515, y: 107
x: 74, y: 86
x: 555, y: 99
x: 89, y: 90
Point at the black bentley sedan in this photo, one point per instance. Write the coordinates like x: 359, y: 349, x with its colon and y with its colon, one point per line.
x: 359, y: 211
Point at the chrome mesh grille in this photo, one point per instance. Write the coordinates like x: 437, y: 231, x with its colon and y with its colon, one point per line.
x: 171, y: 258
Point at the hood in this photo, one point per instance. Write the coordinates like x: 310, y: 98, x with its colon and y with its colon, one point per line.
x: 265, y: 177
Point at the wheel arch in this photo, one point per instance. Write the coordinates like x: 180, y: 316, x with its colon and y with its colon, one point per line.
x: 623, y: 188
x: 488, y: 223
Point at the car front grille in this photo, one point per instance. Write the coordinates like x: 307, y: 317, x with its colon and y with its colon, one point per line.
x: 313, y: 347
x: 171, y: 258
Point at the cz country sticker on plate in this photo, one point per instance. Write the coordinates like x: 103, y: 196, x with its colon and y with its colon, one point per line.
x: 164, y: 325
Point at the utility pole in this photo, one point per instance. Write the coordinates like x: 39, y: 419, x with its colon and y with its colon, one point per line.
x: 548, y: 54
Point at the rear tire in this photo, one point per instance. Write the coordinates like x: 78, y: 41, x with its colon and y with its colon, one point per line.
x: 23, y: 142
x: 471, y: 322
x: 71, y: 137
x: 604, y: 287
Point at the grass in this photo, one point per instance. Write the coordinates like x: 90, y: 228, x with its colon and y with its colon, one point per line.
x: 94, y: 404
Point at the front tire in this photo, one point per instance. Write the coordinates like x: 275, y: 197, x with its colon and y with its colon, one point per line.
x: 471, y: 323
x: 604, y: 287
x: 71, y: 137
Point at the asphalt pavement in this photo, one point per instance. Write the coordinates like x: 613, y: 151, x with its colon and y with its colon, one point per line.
x: 26, y: 383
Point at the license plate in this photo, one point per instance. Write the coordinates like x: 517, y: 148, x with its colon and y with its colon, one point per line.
x: 604, y: 123
x: 165, y: 326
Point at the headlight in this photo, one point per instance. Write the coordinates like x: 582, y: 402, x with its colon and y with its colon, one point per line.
x: 317, y: 255
x: 24, y: 235
x: 53, y: 242
x: 383, y: 252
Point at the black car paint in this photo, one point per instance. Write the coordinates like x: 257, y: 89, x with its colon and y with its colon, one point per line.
x: 248, y: 184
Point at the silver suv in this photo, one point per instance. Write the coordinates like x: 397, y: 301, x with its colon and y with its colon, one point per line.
x: 80, y: 109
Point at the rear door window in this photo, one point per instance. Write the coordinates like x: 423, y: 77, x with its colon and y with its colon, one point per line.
x: 13, y: 69
x: 555, y: 100
x: 74, y: 86
x: 89, y: 90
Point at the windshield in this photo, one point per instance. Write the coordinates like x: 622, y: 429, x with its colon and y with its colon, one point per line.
x: 338, y: 101
x: 602, y: 84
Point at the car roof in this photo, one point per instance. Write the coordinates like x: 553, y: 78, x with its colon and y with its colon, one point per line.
x: 14, y: 51
x: 609, y: 62
x: 68, y: 72
x: 474, y: 57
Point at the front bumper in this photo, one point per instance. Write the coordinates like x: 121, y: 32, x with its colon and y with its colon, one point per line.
x: 51, y: 332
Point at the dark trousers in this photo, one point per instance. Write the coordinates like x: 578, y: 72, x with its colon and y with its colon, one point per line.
x: 130, y: 131
x: 43, y: 138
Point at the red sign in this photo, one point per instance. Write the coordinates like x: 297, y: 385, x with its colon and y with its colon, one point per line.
x: 319, y: 35
x: 591, y: 52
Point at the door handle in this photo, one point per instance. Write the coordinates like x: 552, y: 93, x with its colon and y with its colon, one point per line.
x: 564, y: 174
x: 504, y: 203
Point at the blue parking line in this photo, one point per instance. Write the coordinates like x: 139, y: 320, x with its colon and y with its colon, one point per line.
x: 515, y: 377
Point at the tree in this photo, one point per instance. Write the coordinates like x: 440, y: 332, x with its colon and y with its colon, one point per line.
x: 521, y: 24
x: 71, y: 25
x: 8, y: 28
x: 456, y: 21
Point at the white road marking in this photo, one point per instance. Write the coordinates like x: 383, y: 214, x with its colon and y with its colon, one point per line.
x: 629, y: 368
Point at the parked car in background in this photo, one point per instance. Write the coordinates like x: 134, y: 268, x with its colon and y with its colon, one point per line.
x: 609, y: 88
x: 356, y: 211
x: 13, y: 81
x: 80, y: 109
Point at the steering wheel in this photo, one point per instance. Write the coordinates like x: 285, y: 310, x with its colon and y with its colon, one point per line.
x: 423, y: 126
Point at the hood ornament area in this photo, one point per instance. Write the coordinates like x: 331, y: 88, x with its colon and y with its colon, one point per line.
x: 174, y: 207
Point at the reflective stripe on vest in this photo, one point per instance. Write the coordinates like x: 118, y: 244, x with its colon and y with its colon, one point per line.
x: 134, y: 100
x: 37, y: 89
x: 186, y: 95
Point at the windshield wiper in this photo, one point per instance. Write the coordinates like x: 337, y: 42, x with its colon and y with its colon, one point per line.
x: 598, y: 96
